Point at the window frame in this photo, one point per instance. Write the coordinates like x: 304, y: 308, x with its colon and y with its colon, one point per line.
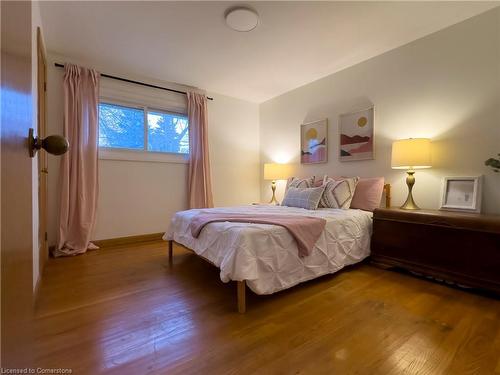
x: 133, y: 154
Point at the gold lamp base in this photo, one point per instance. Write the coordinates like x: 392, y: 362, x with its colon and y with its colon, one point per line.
x: 273, y: 199
x: 410, y: 204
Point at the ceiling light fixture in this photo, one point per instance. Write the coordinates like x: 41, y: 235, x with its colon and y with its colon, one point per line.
x: 241, y: 19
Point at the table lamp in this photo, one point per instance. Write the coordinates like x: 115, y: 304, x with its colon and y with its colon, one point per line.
x: 411, y: 154
x: 275, y: 172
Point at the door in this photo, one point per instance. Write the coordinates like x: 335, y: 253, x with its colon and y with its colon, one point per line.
x: 16, y: 185
x: 42, y: 156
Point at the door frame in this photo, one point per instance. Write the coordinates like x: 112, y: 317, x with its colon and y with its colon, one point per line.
x: 42, y: 156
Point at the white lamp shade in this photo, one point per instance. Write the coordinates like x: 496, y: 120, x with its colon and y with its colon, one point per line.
x: 273, y: 171
x: 413, y: 153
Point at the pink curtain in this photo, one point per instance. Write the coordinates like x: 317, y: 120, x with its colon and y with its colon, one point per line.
x: 199, y: 181
x: 79, y: 179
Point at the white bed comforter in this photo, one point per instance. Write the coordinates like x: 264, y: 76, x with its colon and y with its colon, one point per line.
x: 266, y: 256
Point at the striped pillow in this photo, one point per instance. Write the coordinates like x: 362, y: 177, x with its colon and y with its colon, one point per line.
x: 303, y: 198
x: 338, y: 193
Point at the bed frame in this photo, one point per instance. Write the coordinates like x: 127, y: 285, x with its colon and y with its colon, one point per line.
x: 241, y: 285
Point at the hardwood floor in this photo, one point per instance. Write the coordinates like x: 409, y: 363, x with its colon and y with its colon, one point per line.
x: 124, y: 310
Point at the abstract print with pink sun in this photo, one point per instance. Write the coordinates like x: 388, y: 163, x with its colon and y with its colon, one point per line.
x: 356, y: 135
x: 314, y: 142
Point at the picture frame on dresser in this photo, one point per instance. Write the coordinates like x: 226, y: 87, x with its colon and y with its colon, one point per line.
x: 462, y: 194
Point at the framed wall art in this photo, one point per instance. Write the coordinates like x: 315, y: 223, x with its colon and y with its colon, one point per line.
x: 314, y: 142
x: 356, y: 135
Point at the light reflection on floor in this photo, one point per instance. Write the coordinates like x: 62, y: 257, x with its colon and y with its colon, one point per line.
x: 157, y: 337
x: 414, y: 353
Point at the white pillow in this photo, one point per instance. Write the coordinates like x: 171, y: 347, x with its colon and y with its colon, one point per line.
x: 338, y: 193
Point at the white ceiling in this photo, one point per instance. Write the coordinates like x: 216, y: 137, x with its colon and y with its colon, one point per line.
x: 189, y: 43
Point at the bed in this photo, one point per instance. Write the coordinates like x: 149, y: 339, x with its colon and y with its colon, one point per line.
x: 265, y: 257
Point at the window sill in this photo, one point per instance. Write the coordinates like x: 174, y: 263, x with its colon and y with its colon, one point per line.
x: 142, y: 156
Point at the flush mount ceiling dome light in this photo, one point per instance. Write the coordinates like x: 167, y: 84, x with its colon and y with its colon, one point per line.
x: 242, y: 19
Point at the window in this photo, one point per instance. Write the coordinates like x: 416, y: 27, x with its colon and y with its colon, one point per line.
x: 139, y: 128
x: 167, y: 133
x: 121, y: 127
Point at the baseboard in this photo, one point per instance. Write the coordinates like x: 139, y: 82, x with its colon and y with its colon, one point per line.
x: 120, y: 241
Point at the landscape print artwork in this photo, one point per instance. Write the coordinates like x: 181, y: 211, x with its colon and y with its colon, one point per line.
x: 313, y: 142
x: 356, y: 135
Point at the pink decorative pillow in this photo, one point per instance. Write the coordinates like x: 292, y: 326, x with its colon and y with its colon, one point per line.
x: 368, y: 193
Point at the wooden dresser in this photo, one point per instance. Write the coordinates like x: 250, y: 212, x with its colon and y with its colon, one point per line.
x: 462, y: 248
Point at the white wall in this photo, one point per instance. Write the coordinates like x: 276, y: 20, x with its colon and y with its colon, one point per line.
x: 234, y: 150
x: 137, y: 197
x: 445, y: 86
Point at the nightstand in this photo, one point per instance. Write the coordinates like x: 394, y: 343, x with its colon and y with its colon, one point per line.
x: 462, y: 248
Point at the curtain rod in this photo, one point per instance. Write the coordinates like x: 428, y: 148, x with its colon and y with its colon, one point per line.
x: 136, y: 82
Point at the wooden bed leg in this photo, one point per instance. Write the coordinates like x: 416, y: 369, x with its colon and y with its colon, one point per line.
x: 170, y: 251
x: 241, y: 285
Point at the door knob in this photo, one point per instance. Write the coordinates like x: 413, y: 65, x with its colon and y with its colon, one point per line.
x: 53, y: 144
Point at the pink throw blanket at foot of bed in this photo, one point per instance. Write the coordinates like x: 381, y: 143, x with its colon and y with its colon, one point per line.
x: 304, y: 229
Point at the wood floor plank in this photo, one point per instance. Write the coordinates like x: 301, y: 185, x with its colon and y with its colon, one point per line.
x: 126, y: 310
